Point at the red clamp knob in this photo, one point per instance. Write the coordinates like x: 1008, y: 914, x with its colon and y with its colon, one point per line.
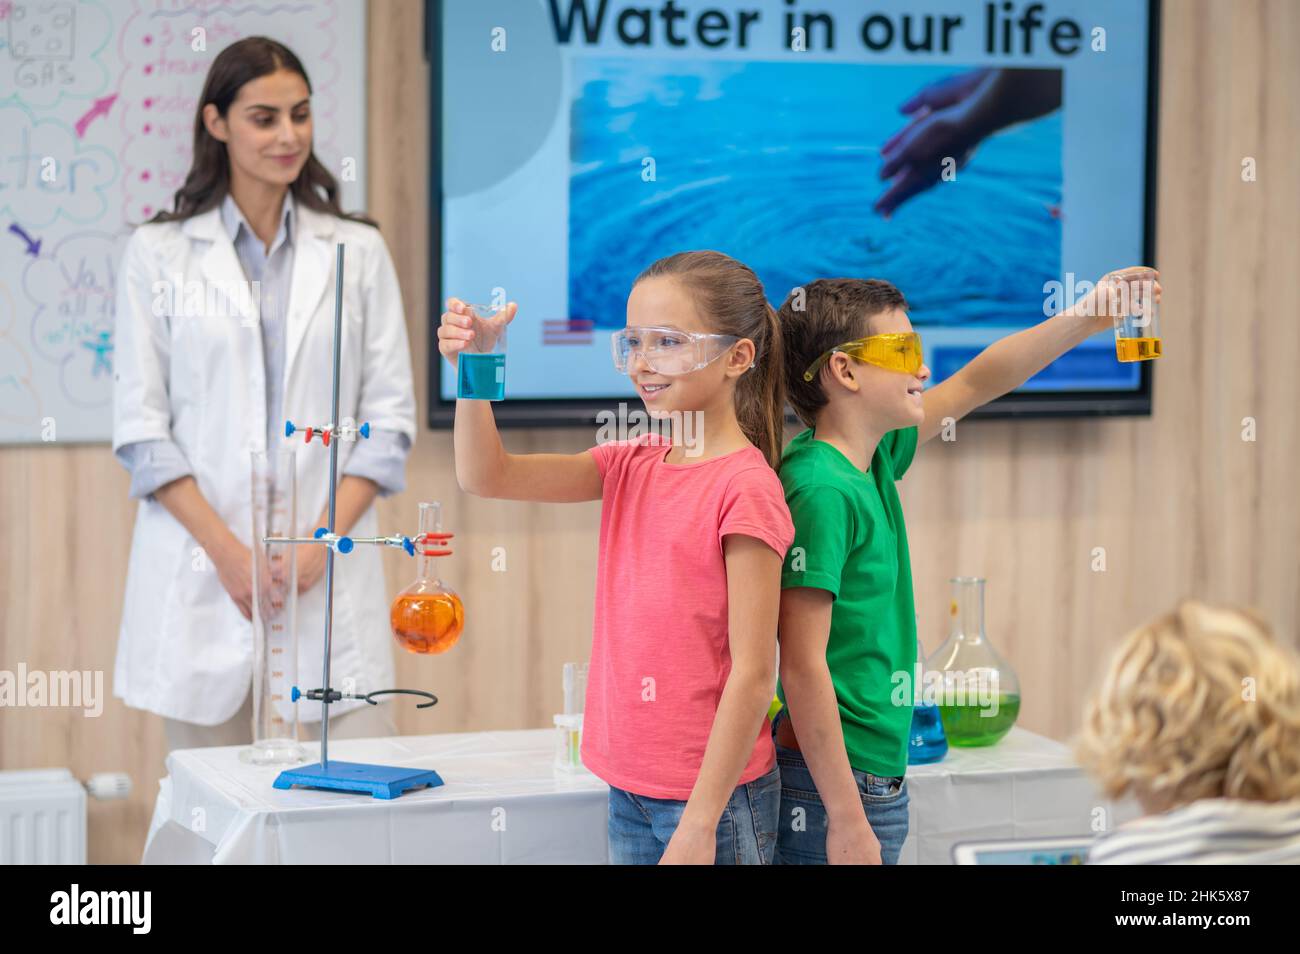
x: 434, y: 538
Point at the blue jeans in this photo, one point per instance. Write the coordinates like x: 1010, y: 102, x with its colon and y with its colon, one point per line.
x: 884, y: 799
x: 640, y: 826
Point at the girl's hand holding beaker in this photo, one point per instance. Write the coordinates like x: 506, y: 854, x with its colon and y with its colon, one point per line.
x: 478, y: 331
x: 465, y: 328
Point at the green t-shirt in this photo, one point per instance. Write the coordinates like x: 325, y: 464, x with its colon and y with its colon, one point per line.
x: 849, y: 539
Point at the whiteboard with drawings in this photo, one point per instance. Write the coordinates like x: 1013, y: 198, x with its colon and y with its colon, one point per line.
x: 97, y: 105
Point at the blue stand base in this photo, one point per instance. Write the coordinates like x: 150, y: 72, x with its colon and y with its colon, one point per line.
x: 381, y: 781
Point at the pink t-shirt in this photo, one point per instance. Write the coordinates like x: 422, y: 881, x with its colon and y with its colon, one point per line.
x: 660, y: 654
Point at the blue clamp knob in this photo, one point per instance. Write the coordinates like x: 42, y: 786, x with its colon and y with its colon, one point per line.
x: 340, y: 544
x: 289, y: 428
x: 295, y: 694
x: 365, y: 430
x: 408, y: 546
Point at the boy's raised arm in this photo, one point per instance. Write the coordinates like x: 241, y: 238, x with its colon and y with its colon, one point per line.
x: 1001, y: 367
x: 1011, y: 361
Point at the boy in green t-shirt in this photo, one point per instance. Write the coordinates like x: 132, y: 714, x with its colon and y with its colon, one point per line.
x: 855, y: 376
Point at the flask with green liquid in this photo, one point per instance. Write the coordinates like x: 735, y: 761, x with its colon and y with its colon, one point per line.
x: 979, y: 695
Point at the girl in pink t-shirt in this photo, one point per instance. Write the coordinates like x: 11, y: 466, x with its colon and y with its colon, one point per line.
x: 693, y: 533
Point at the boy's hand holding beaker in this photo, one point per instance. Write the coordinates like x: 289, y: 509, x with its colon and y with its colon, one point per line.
x: 1128, y: 300
x: 1126, y: 292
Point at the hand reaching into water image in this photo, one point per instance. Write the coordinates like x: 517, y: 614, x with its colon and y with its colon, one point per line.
x: 951, y: 117
x: 783, y: 180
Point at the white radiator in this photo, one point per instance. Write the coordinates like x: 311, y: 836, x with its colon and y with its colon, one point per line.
x: 42, y: 818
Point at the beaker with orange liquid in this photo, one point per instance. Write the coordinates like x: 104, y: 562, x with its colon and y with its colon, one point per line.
x: 427, y: 617
x: 1136, y: 314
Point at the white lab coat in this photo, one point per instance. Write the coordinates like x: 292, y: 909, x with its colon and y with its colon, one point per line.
x: 184, y: 649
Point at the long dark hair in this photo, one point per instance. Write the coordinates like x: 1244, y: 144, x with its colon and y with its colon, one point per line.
x: 208, y: 180
x: 731, y: 296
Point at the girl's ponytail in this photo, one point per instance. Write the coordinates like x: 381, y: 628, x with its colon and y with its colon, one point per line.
x: 760, y: 394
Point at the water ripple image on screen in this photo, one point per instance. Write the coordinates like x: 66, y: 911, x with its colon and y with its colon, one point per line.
x: 778, y: 164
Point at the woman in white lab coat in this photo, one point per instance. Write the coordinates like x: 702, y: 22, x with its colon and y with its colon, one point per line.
x: 204, y: 376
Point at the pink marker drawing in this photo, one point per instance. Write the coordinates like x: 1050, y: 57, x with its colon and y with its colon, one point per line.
x: 100, y: 108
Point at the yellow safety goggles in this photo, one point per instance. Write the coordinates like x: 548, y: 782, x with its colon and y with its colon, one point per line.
x: 898, y: 352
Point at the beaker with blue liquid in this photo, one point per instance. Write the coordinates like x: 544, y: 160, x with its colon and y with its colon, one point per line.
x: 926, y: 743
x: 481, y: 366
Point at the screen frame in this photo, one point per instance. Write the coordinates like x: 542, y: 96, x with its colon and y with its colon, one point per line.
x: 968, y: 852
x: 582, y: 412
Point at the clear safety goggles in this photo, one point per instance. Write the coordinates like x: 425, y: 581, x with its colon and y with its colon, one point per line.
x: 668, y: 350
x: 895, y: 352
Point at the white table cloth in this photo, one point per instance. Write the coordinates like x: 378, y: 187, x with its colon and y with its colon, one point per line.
x: 503, y: 803
x: 1026, y: 786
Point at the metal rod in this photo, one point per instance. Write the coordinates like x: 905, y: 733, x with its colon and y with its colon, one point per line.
x: 334, y: 468
x: 394, y: 541
x: 300, y: 540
